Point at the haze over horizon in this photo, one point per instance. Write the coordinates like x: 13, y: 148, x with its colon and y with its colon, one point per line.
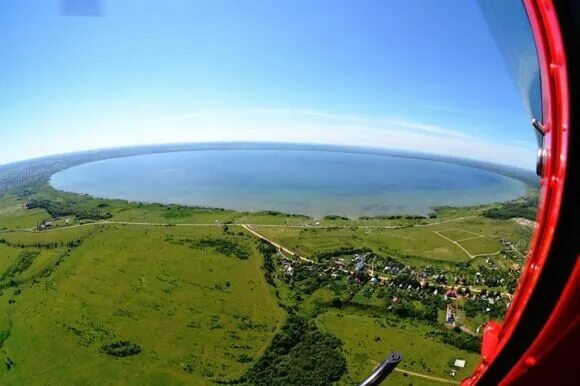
x: 330, y: 72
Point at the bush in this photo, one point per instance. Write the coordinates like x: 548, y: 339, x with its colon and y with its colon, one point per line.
x: 23, y: 261
x: 121, y: 348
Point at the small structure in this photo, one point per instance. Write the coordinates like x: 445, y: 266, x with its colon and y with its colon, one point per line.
x: 453, y: 372
x: 46, y: 224
x: 450, y: 315
x: 459, y: 363
x: 289, y: 270
x: 451, y: 294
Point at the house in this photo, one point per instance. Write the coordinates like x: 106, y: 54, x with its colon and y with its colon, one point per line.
x: 453, y: 372
x: 360, y: 266
x: 451, y: 294
x: 46, y: 224
x: 289, y: 270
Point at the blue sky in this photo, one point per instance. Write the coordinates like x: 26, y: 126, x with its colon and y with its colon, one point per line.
x: 417, y: 75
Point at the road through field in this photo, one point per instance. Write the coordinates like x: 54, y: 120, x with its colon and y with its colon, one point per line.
x: 429, y: 377
x: 238, y: 224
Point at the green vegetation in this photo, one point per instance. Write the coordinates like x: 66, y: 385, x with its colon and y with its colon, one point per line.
x: 194, y: 313
x: 60, y: 209
x: 223, y: 246
x: 368, y: 339
x: 299, y: 355
x: 101, y: 291
x: 121, y: 348
x: 455, y: 337
x: 525, y: 207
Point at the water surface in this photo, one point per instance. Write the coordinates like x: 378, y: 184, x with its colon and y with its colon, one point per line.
x: 316, y: 183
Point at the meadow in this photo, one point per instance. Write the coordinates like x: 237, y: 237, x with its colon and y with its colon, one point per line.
x: 420, y: 245
x: 146, y: 294
x: 368, y: 339
x: 192, y: 311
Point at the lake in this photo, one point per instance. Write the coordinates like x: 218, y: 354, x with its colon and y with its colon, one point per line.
x: 311, y: 182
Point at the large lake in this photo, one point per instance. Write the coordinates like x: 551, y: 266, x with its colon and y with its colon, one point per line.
x: 316, y: 183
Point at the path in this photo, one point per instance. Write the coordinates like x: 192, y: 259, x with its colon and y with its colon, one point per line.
x: 436, y: 379
x: 465, y: 250
x: 454, y: 242
x: 235, y: 224
x: 249, y: 228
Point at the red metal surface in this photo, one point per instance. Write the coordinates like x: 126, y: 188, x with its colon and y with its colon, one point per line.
x: 555, y: 105
x: 549, y: 356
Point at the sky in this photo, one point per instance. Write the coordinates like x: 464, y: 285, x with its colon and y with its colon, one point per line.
x: 414, y: 75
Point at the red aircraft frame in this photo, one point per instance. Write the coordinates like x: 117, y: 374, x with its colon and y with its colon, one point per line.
x: 532, y: 347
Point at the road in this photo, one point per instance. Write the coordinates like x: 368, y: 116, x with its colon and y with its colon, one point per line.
x: 235, y: 224
x: 249, y: 227
x: 436, y: 379
x: 279, y: 246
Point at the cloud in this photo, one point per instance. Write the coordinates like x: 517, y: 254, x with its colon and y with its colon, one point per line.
x: 149, y: 126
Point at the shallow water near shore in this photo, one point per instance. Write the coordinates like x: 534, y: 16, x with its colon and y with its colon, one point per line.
x: 316, y: 183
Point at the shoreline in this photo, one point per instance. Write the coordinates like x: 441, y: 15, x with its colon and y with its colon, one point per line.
x: 394, y: 209
x: 433, y: 214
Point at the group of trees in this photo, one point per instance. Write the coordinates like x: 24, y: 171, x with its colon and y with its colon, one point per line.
x: 67, y: 208
x: 525, y: 207
x: 461, y: 340
x: 49, y: 245
x: 307, y: 279
x: 398, y: 217
x: 268, y: 251
x: 321, y: 256
x: 223, y: 246
x: 335, y: 217
x: 280, y: 214
x: 299, y: 355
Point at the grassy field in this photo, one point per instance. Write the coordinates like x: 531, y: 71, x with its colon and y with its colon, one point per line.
x: 194, y: 299
x: 13, y: 215
x: 368, y: 340
x: 193, y: 311
x: 410, y: 243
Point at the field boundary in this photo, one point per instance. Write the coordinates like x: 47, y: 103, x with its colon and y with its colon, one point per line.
x: 457, y: 243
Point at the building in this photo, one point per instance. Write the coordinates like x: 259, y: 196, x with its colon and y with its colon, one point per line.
x: 459, y: 363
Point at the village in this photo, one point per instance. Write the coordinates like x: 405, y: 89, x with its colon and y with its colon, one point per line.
x: 405, y: 290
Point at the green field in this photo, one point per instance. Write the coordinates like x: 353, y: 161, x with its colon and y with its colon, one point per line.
x: 186, y: 296
x: 368, y: 340
x: 193, y: 312
x: 13, y: 215
x: 409, y: 243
